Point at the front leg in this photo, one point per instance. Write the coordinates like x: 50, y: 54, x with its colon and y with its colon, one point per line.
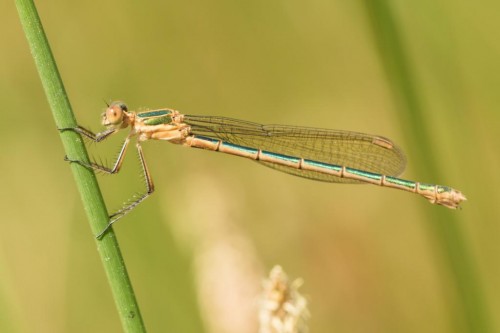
x: 116, y: 166
x: 96, y: 137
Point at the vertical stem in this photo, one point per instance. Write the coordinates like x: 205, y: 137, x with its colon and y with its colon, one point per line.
x: 86, y: 182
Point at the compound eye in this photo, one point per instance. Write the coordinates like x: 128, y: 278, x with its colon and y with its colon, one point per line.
x: 114, y: 114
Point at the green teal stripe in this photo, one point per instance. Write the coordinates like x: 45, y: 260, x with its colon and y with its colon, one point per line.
x: 401, y: 182
x: 240, y: 148
x: 281, y: 157
x: 158, y: 120
x: 427, y: 187
x: 154, y: 113
x: 336, y: 168
x: 206, y: 138
x: 365, y: 174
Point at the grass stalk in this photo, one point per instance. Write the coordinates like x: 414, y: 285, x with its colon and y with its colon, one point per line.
x: 85, y: 179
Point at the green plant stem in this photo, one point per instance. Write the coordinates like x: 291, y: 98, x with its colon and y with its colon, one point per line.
x: 86, y: 182
x: 463, y: 277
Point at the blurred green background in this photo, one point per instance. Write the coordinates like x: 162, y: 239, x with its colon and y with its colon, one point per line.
x: 424, y: 73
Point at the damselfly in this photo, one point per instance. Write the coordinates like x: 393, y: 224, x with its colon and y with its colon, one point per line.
x: 320, y: 154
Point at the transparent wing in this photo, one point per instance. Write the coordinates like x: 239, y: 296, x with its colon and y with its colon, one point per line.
x: 351, y: 149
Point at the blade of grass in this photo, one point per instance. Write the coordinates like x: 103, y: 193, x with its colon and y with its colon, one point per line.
x: 88, y: 187
x: 464, y: 275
